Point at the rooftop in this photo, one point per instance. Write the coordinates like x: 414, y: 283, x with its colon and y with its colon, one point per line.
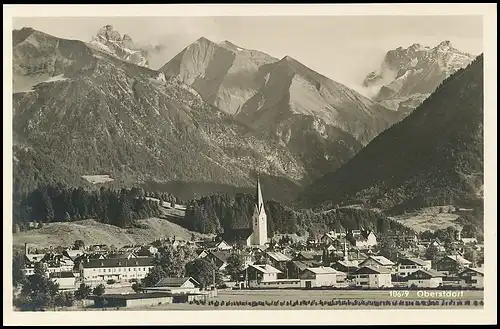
x: 373, y: 270
x: 381, y: 260
x: 278, y: 256
x: 118, y: 262
x: 323, y: 270
x: 174, y: 282
x: 268, y: 269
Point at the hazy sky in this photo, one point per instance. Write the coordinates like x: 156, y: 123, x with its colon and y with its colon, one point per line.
x: 344, y: 48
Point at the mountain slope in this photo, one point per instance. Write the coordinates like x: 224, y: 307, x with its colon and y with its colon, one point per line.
x: 408, y: 76
x: 92, y: 233
x: 433, y: 156
x: 224, y: 74
x: 262, y: 91
x: 291, y: 88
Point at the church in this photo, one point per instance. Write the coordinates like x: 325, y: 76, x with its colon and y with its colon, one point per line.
x: 259, y: 221
x: 256, y: 234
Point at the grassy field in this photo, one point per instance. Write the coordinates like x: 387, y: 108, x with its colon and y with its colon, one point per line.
x: 98, y: 179
x: 428, y: 219
x: 93, y: 232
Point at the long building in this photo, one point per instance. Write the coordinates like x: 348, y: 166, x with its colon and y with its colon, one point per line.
x: 118, y: 269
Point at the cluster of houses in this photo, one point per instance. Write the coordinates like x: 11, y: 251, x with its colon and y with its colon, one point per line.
x: 335, y: 260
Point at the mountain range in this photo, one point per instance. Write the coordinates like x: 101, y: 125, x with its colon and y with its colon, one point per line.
x: 85, y: 109
x: 211, y: 117
x: 432, y: 157
x: 270, y: 95
x: 407, y: 76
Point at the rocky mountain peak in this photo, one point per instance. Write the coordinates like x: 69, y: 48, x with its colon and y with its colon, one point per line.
x: 409, y: 75
x: 110, y: 41
x: 445, y: 44
x: 107, y: 32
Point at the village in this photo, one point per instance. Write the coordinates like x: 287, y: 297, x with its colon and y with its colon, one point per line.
x: 337, y: 260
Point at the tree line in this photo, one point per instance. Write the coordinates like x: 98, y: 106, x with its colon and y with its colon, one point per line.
x: 57, y: 203
x: 224, y: 213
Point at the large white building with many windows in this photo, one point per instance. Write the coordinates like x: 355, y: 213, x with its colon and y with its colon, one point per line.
x: 117, y: 269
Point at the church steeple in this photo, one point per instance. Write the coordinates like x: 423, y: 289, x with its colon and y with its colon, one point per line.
x: 260, y: 200
x: 259, y: 220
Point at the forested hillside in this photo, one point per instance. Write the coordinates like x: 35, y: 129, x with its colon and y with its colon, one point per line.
x: 217, y: 213
x: 433, y: 157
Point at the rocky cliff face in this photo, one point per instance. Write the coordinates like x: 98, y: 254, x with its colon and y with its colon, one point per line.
x: 110, y: 41
x: 408, y: 75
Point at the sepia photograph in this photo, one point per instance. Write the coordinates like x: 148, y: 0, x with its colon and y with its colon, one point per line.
x: 199, y: 161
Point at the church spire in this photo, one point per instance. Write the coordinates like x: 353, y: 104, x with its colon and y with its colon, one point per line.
x: 260, y: 200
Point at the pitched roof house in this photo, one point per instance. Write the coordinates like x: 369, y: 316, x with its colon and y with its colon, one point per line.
x: 175, y: 285
x: 373, y: 277
x: 362, y: 239
x: 452, y: 263
x: 377, y: 261
x: 424, y: 279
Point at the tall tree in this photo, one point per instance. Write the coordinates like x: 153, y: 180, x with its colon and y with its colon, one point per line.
x: 78, y: 244
x: 432, y: 253
x: 39, y: 292
x: 389, y: 249
x: 154, y: 276
x: 204, y: 272
x: 235, y: 264
x: 18, y: 265
x: 99, y: 290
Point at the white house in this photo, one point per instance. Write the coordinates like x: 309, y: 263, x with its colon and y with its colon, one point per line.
x: 175, y: 286
x: 314, y: 277
x: 223, y: 245
x: 472, y: 277
x: 118, y: 269
x: 407, y: 266
x: 373, y: 277
x: 425, y: 279
x: 469, y: 240
x: 66, y: 280
x: 378, y: 261
x: 332, y: 236
x: 258, y: 274
x: 362, y: 239
x: 266, y: 277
